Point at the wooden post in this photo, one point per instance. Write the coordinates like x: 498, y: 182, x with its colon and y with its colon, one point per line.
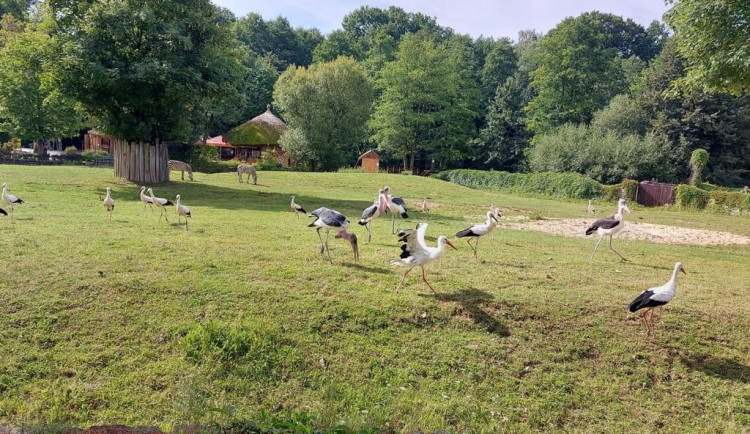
x: 140, y: 162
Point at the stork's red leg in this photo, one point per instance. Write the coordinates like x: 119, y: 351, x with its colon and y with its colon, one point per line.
x: 428, y: 283
x: 403, y: 278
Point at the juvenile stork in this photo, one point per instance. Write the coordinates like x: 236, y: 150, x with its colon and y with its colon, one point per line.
x: 609, y: 227
x: 414, y: 252
x: 395, y: 205
x: 109, y: 203
x: 371, y: 212
x: 296, y: 208
x: 478, y: 230
x: 160, y: 203
x: 146, y: 200
x: 182, y: 211
x: 10, y: 200
x: 328, y: 220
x: 655, y: 297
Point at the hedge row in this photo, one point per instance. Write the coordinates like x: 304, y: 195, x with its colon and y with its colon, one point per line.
x: 562, y: 185
x: 691, y: 197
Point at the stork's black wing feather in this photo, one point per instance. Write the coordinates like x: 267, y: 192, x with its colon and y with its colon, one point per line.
x: 368, y: 213
x: 644, y: 300
x: 2, y: 211
x: 602, y: 223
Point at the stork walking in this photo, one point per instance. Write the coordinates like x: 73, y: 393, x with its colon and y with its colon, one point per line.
x: 109, y: 203
x: 182, y: 211
x: 328, y: 219
x: 160, y: 203
x: 10, y: 200
x: 396, y: 205
x: 146, y: 200
x: 655, y: 297
x: 296, y: 208
x: 371, y: 212
x: 609, y: 227
x: 415, y: 252
x: 478, y: 230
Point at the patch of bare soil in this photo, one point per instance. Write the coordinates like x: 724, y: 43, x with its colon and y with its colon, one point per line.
x: 634, y: 231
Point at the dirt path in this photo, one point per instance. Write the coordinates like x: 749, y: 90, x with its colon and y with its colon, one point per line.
x: 634, y: 231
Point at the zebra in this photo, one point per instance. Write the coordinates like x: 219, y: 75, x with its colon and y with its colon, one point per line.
x: 183, y: 167
x: 249, y: 170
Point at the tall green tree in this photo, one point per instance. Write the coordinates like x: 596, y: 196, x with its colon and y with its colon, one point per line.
x: 712, y: 36
x: 277, y: 40
x: 31, y: 105
x: 429, y: 101
x: 326, y: 107
x: 577, y: 74
x: 139, y: 69
x: 500, y: 64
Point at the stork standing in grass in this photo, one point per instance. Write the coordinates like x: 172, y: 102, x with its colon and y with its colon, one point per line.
x: 10, y: 200
x: 182, y: 211
x: 590, y: 208
x: 415, y: 252
x: 609, y: 227
x: 296, y: 208
x: 371, y: 212
x: 146, y: 200
x: 396, y: 205
x: 478, y: 230
x: 328, y: 220
x: 655, y: 297
x: 160, y: 203
x: 109, y: 203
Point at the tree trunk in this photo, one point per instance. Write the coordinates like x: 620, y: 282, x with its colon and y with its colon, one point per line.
x: 39, y: 150
x: 141, y: 162
x: 411, y: 162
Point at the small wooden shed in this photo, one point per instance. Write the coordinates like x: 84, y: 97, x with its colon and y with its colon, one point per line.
x: 370, y: 161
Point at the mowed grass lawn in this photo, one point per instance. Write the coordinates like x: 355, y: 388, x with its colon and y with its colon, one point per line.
x: 140, y: 322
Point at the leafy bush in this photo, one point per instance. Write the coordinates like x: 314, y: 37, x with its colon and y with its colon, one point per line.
x: 611, y: 193
x: 268, y: 161
x: 350, y: 170
x: 71, y: 150
x: 563, y: 185
x: 688, y: 196
x: 94, y: 155
x: 629, y: 188
x: 723, y: 201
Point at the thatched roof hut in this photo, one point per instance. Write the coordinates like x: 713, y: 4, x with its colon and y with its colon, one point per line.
x: 265, y: 129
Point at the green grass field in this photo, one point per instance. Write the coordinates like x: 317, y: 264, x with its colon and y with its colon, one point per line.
x: 138, y: 322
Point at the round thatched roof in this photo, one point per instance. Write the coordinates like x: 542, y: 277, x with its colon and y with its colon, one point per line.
x: 264, y: 129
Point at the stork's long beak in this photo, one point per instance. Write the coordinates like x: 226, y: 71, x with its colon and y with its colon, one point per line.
x: 492, y: 216
x: 450, y: 244
x: 683, y: 270
x: 625, y: 207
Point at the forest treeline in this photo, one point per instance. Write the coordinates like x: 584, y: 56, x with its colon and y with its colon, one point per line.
x: 599, y: 94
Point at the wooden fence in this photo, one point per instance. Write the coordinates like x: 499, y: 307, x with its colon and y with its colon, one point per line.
x: 655, y: 193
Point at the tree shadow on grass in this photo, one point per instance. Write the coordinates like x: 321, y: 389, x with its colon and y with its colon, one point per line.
x: 476, y: 304
x: 719, y: 367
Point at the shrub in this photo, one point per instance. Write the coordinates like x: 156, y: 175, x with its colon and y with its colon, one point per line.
x: 724, y: 201
x: 94, y: 155
x: 630, y: 189
x: 688, y: 196
x: 611, y: 193
x: 268, y: 161
x: 70, y: 150
x: 563, y: 185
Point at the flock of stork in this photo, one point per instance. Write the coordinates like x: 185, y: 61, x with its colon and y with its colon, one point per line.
x: 414, y: 250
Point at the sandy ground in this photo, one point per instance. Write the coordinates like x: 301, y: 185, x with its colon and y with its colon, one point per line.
x: 633, y: 231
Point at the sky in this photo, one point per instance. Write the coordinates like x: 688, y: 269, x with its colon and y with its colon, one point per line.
x: 496, y: 18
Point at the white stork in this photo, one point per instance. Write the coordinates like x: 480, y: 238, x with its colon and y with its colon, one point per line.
x: 328, y: 220
x: 590, y: 208
x: 161, y: 203
x: 609, y: 227
x: 10, y: 200
x: 296, y: 208
x: 109, y: 203
x: 372, y: 212
x: 182, y: 211
x: 414, y: 251
x: 146, y: 200
x: 395, y: 205
x: 479, y: 230
x: 655, y: 297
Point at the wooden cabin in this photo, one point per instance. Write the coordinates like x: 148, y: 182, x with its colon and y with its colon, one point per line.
x: 370, y: 161
x: 96, y: 141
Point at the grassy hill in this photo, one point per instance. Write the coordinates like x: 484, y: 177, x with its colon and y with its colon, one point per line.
x: 140, y: 322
